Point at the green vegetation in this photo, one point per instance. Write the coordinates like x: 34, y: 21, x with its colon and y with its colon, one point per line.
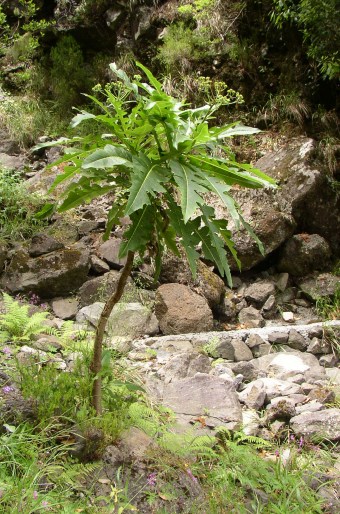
x: 18, y: 207
x: 162, y: 157
x: 315, y: 19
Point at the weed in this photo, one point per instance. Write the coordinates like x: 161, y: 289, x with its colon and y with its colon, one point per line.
x: 328, y: 307
x: 210, y: 348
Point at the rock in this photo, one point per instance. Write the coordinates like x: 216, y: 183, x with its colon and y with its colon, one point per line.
x: 12, y: 162
x: 250, y: 422
x: 334, y: 375
x: 65, y: 308
x: 185, y: 365
x: 206, y: 283
x: 288, y: 364
x: 258, y: 292
x: 55, y: 274
x: 254, y: 395
x: 42, y: 244
x: 269, y: 307
x: 273, y: 387
x: 204, y: 396
x: 282, y: 282
x: 322, y: 395
x: 99, y: 289
x: 109, y: 251
x: 241, y: 351
x: 328, y: 361
x: 85, y: 227
x: 223, y: 349
x: 278, y: 338
x: 311, y: 406
x: 250, y: 318
x: 321, y: 425
x: 114, y: 17
x: 296, y: 341
x: 319, y: 346
x: 280, y: 409
x: 180, y: 310
x: 98, y: 265
x: 319, y: 285
x: 304, y: 253
x: 246, y: 369
x: 3, y: 256
x: 135, y: 443
x: 258, y: 346
x: 288, y: 316
x: 130, y: 320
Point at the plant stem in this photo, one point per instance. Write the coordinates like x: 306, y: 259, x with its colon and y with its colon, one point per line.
x: 96, y: 363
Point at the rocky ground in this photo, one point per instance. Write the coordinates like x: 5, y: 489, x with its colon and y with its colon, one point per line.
x: 255, y: 355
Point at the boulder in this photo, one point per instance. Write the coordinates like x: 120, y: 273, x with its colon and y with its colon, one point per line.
x: 289, y: 364
x: 205, y: 397
x: 186, y: 365
x: 12, y: 162
x: 304, y: 253
x: 180, y: 310
x: 57, y: 273
x: 258, y: 292
x: 109, y: 252
x: 127, y: 320
x: 99, y: 289
x: 3, y: 256
x: 304, y: 200
x: 272, y: 388
x: 319, y: 285
x: 42, y: 244
x: 206, y: 283
x: 65, y: 308
x: 323, y: 424
x: 250, y: 317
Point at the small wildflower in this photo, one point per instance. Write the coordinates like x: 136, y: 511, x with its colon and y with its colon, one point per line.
x: 7, y: 389
x: 152, y: 479
x: 35, y: 495
x: 292, y: 437
x: 301, y: 442
x: 277, y: 453
x: 6, y: 350
x: 44, y: 503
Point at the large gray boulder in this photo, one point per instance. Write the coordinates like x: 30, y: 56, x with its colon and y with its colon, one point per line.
x: 181, y: 311
x: 304, y: 253
x: 54, y: 274
x: 205, y: 397
x: 323, y: 424
x: 304, y: 201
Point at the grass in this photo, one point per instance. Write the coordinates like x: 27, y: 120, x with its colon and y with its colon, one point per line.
x: 328, y: 307
x: 17, y: 207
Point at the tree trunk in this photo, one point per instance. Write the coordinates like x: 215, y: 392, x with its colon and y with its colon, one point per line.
x: 96, y: 363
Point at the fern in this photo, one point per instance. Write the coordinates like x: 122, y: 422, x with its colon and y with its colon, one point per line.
x: 229, y: 438
x: 17, y: 325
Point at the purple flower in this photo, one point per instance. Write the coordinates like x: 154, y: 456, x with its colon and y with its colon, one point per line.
x: 301, y: 442
x: 193, y: 478
x: 6, y: 350
x: 277, y: 453
x: 152, y: 479
x: 35, y: 495
x: 7, y: 389
x: 292, y: 437
x: 44, y: 503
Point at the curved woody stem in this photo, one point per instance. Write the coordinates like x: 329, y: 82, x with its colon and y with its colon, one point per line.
x: 96, y: 363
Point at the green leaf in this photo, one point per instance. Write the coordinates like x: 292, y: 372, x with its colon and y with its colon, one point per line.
x: 108, y: 157
x: 153, y: 81
x: 139, y: 233
x: 224, y: 172
x: 221, y: 190
x: 186, y: 232
x: 190, y: 184
x: 113, y: 216
x: 213, y: 244
x: 81, y: 116
x: 236, y: 130
x: 146, y: 182
x: 80, y: 195
x: 46, y: 211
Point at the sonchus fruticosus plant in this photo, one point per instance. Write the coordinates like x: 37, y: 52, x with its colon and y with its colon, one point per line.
x: 158, y: 157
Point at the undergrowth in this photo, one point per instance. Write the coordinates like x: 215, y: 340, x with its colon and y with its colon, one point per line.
x: 17, y: 207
